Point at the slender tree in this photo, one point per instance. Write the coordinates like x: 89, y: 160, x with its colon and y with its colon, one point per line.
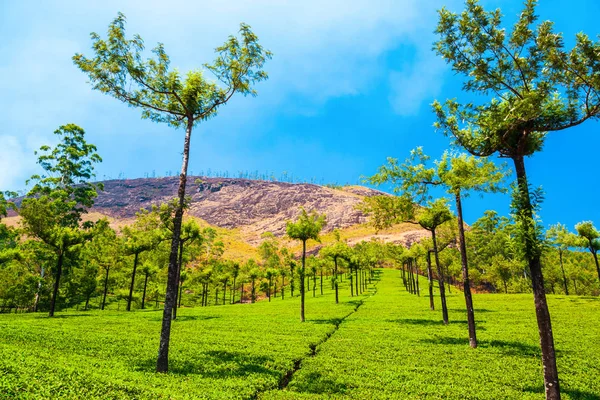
x: 388, y: 210
x: 459, y: 174
x: 307, y: 227
x: 538, y: 87
x: 142, y: 236
x: 53, y: 207
x: 561, y: 239
x: 591, y: 236
x: 119, y: 69
x: 336, y: 252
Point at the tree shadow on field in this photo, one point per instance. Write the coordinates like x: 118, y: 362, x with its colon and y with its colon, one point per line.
x: 216, y: 364
x: 422, y: 321
x: 574, y: 394
x: 475, y: 310
x: 316, y: 383
x: 184, y: 318
x: 70, y: 315
x: 506, y: 347
x: 330, y: 321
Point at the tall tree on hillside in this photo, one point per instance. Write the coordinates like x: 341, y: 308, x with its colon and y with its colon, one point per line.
x: 105, y: 251
x: 561, y: 239
x: 119, y: 69
x: 144, y: 235
x: 336, y: 252
x: 190, y: 233
x: 536, y: 87
x: 53, y: 207
x: 591, y: 237
x: 307, y: 227
x: 388, y: 210
x: 458, y: 174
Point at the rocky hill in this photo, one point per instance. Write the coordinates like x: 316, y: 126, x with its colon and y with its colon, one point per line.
x: 250, y: 207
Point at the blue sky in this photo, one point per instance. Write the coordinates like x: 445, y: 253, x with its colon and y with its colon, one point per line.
x: 350, y: 84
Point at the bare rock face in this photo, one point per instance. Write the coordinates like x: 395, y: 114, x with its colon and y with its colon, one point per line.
x: 253, y: 206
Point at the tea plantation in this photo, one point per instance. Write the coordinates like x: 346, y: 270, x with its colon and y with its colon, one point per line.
x: 385, y: 344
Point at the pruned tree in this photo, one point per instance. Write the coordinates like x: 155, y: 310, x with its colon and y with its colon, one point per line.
x: 119, y: 69
x: 458, y: 174
x: 534, y: 86
x: 337, y: 251
x: 388, y: 210
x: 307, y: 227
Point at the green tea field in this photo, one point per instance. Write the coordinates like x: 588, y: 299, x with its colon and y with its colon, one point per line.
x: 384, y: 344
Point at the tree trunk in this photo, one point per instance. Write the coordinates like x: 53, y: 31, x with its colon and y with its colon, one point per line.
x: 162, y: 362
x: 87, y: 301
x: 178, y: 293
x: 253, y: 295
x: 269, y: 289
x: 430, y: 279
x: 335, y: 274
x: 144, y: 294
x: 356, y: 283
x: 562, y: 268
x: 59, y: 264
x: 404, y: 281
x: 351, y: 284
x: 242, y: 293
x: 595, y: 253
x: 282, y: 287
x: 321, y: 282
x: 232, y: 291
x: 551, y: 382
x: 465, y: 274
x: 105, y: 288
x: 417, y: 274
x: 314, y: 284
x: 440, y: 278
x: 135, y: 262
x: 302, y: 281
x: 291, y: 282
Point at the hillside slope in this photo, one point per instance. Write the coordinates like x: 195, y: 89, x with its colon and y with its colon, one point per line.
x: 244, y: 209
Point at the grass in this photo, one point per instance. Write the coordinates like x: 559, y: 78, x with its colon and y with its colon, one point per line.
x: 222, y: 352
x: 392, y: 347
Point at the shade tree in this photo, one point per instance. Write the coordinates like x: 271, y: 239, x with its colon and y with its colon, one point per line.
x: 531, y: 85
x: 306, y: 227
x: 119, y: 68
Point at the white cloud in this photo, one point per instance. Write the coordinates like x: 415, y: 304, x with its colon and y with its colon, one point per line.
x: 416, y: 84
x: 322, y: 50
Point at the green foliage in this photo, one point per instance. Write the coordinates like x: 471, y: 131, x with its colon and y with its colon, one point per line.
x: 307, y: 226
x: 537, y: 85
x: 5, y: 203
x: 65, y: 188
x: 392, y: 347
x: 590, y: 234
x: 119, y: 69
